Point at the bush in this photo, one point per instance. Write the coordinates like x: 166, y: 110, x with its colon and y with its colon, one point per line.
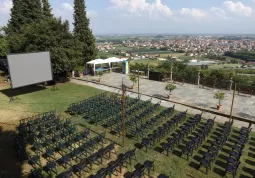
x: 100, y: 73
x: 170, y: 87
x: 220, y: 96
x: 79, y: 69
x: 133, y: 79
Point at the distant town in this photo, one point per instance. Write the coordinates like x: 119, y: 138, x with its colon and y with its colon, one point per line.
x: 139, y: 47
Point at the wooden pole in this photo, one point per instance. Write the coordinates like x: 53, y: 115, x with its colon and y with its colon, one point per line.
x: 233, y: 100
x: 138, y: 83
x: 123, y: 114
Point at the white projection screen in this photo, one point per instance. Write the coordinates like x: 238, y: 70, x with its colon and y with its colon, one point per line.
x: 29, y: 68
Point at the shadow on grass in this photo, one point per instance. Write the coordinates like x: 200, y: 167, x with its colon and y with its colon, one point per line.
x: 252, y: 144
x: 138, y: 145
x: 10, y: 164
x: 252, y: 163
x: 228, y: 145
x: 21, y: 91
x: 249, y: 171
x: 221, y: 164
x: 252, y: 149
x: 251, y: 155
x: 194, y: 165
x: 177, y: 153
x: 197, y: 158
x: 243, y: 176
x: 221, y: 156
x: 225, y: 150
x: 159, y: 149
x: 231, y: 140
x: 219, y: 171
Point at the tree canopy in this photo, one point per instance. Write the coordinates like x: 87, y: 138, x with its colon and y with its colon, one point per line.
x: 33, y: 28
x: 82, y: 31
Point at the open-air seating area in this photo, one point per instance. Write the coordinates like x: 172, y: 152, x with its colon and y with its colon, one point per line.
x: 59, y: 150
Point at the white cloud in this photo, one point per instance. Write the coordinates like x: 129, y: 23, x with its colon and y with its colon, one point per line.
x: 5, y: 6
x: 66, y: 6
x: 238, y: 8
x: 194, y: 13
x: 218, y: 12
x: 92, y: 14
x: 140, y: 7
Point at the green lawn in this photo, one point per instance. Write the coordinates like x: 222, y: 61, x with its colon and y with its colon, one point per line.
x: 36, y: 99
x: 147, y: 61
x: 122, y: 48
x: 173, y: 165
x: 109, y: 54
x: 176, y: 165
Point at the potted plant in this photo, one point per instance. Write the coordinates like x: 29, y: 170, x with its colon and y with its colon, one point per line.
x: 133, y: 78
x: 220, y: 96
x: 99, y: 73
x: 170, y: 88
x: 80, y: 70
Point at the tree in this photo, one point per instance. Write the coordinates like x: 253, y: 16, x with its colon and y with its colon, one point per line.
x: 220, y: 96
x: 24, y: 12
x: 46, y: 9
x: 170, y: 88
x: 82, y: 31
x: 3, y: 46
x: 133, y: 79
x: 52, y: 35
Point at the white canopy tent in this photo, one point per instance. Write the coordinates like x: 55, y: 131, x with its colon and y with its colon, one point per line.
x: 104, y: 61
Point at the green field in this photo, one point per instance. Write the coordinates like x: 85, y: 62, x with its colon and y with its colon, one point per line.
x: 175, y: 165
x: 109, y: 54
x: 147, y: 61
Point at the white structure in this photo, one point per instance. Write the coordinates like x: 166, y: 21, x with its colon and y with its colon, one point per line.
x: 104, y: 61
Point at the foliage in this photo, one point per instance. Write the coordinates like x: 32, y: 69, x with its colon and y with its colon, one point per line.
x: 33, y: 28
x: 100, y: 74
x: 24, y: 12
x: 220, y: 96
x: 244, y: 55
x: 52, y: 35
x: 138, y: 66
x: 80, y: 69
x: 46, y: 9
x: 82, y: 31
x: 3, y: 46
x: 103, y: 57
x: 170, y: 87
x: 133, y: 78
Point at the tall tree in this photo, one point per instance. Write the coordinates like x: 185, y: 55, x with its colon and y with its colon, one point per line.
x: 53, y: 35
x: 83, y: 32
x: 24, y: 12
x: 47, y: 9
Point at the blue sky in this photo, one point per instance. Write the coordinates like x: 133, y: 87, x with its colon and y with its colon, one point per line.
x: 158, y: 16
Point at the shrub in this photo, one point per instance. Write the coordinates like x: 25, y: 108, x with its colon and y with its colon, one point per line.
x: 170, y: 87
x: 133, y: 79
x: 220, y: 96
x: 80, y: 69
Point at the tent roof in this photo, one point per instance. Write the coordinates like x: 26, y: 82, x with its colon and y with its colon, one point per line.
x: 97, y: 61
x: 109, y: 60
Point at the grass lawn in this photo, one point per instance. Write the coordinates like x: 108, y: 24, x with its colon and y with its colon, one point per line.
x: 147, y: 61
x: 168, y: 54
x: 178, y: 166
x: 123, y: 48
x: 109, y: 54
x: 173, y: 165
